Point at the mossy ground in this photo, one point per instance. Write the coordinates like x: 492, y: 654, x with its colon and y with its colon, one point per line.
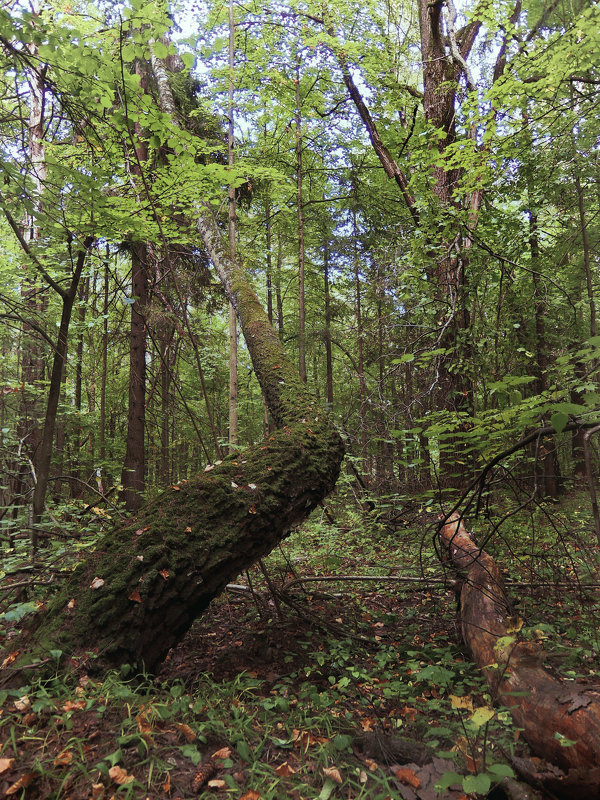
x: 282, y: 694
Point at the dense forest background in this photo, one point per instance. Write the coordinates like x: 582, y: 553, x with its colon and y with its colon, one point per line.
x: 425, y: 242
x: 412, y: 189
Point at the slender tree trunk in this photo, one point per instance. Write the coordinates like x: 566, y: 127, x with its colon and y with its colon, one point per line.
x: 360, y: 347
x: 269, y: 256
x: 278, y: 295
x: 578, y: 441
x: 58, y: 364
x: 550, y: 466
x: 233, y: 343
x: 301, y: 254
x: 77, y: 448
x: 103, y: 376
x: 328, y: 353
x: 133, y: 476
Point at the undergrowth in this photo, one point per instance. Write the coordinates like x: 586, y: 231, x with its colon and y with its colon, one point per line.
x: 311, y: 692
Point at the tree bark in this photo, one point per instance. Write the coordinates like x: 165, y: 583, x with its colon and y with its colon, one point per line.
x: 146, y: 582
x: 133, y: 476
x: 301, y: 247
x: 546, y: 708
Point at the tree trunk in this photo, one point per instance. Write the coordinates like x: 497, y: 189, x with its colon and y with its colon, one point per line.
x: 549, y: 710
x: 301, y: 248
x: 139, y: 592
x: 134, y: 465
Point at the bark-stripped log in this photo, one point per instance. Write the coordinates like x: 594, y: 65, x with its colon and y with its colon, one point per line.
x: 541, y: 704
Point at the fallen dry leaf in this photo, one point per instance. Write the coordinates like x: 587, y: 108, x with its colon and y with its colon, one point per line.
x: 120, y: 776
x: 306, y: 739
x: 10, y: 658
x: 284, y: 770
x: 333, y: 773
x: 188, y: 733
x: 217, y: 783
x: 22, y: 783
x: 166, y: 787
x: 188, y: 529
x: 144, y: 726
x: 251, y: 795
x: 224, y: 752
x: 164, y: 573
x: 97, y: 583
x: 72, y: 705
x: 23, y: 703
x: 63, y: 759
x: 135, y: 596
x: 97, y: 791
x: 372, y: 765
x: 407, y: 776
x: 6, y: 763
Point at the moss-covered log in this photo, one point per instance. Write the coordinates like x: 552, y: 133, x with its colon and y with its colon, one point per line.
x: 559, y: 719
x: 137, y: 594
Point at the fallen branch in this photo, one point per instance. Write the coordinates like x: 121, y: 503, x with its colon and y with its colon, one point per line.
x: 559, y: 719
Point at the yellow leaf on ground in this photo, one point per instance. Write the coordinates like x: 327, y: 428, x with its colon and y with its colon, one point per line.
x: 6, y: 763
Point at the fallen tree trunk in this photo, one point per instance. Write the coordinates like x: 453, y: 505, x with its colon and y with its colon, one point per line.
x: 137, y: 594
x: 551, y: 712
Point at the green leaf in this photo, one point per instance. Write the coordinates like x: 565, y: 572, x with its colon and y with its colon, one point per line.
x: 564, y: 742
x: 188, y: 59
x: 481, y: 715
x: 477, y: 783
x: 17, y: 612
x: 327, y: 789
x: 447, y: 780
x: 559, y: 421
x: 160, y: 50
x: 342, y: 741
x: 191, y: 751
x: 501, y: 770
x: 114, y: 758
x: 244, y: 750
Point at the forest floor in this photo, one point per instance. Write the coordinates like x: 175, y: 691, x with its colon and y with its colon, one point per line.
x: 348, y: 689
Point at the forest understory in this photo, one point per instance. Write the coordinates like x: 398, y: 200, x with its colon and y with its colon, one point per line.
x: 292, y: 687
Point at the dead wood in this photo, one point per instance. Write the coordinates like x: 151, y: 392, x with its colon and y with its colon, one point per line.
x: 551, y: 712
